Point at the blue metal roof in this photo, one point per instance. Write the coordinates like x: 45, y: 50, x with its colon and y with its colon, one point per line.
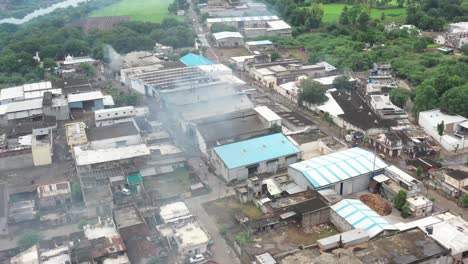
x: 338, y: 166
x: 360, y: 216
x: 195, y: 60
x: 255, y: 150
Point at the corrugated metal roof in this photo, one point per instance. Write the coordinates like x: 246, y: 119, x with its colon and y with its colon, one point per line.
x: 338, y: 166
x: 227, y: 34
x: 240, y: 19
x: 82, y: 97
x: 360, y: 216
x: 255, y: 150
x: 259, y: 42
x: 195, y: 60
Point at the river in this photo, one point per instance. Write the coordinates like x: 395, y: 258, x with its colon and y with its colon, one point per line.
x: 41, y: 12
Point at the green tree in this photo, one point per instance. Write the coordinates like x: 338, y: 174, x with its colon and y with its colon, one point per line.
x: 344, y: 17
x: 464, y: 49
x: 465, y: 200
x: 399, y: 96
x: 28, y: 239
x: 314, y: 17
x: 400, y: 199
x: 274, y: 56
x: 342, y: 83
x: 426, y: 98
x: 363, y: 20
x: 243, y: 238
x: 48, y: 63
x: 77, y: 195
x: 420, y: 45
x: 89, y: 69
x: 440, y: 129
x: 419, y: 171
x: 405, y: 210
x: 312, y: 92
x: 455, y: 101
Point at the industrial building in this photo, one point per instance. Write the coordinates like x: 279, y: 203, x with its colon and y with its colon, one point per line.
x: 347, y: 171
x: 86, y: 101
x: 229, y: 128
x: 27, y: 92
x: 349, y: 214
x: 114, y: 136
x: 242, y: 159
x: 111, y: 116
x: 259, y: 45
x: 228, y: 39
x: 195, y: 60
x: 242, y: 22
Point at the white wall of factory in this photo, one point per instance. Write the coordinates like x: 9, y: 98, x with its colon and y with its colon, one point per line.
x: 116, y: 142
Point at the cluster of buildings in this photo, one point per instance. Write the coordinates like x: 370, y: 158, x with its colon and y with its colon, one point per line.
x: 455, y: 37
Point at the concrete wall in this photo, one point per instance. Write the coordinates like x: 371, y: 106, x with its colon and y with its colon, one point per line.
x: 230, y: 42
x: 113, y: 142
x: 353, y: 185
x: 192, y: 250
x: 315, y: 218
x: 339, y: 222
x: 242, y: 173
x: 62, y: 113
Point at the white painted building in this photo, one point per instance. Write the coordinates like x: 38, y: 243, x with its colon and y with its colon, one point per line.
x: 267, y: 116
x: 107, y: 117
x: 456, y: 128
x: 347, y: 171
x: 191, y: 239
x: 174, y: 212
x: 228, y: 39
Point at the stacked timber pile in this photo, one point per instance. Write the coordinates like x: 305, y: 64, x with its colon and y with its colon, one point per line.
x: 377, y: 203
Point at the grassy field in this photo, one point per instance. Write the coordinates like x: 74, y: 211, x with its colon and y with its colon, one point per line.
x: 139, y: 10
x: 332, y: 13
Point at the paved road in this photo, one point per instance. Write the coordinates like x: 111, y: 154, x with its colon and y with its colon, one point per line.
x: 222, y: 252
x: 447, y: 204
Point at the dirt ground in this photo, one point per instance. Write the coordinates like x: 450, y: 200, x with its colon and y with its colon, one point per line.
x: 224, y: 210
x: 289, y: 237
x: 169, y: 185
x: 225, y: 53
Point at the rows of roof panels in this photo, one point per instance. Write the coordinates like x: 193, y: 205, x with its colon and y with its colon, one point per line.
x: 240, y: 19
x: 338, y: 166
x: 360, y: 216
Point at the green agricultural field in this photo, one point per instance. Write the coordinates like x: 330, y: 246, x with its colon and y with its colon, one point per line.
x: 139, y: 10
x: 332, y: 13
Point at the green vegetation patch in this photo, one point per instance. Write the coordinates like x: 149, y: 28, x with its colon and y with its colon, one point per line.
x: 332, y: 13
x: 139, y: 10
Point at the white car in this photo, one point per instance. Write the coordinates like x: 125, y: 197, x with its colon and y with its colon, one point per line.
x: 197, y: 258
x: 126, y: 191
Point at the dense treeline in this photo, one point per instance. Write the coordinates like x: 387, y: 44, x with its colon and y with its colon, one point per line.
x: 441, y: 81
x: 53, y: 40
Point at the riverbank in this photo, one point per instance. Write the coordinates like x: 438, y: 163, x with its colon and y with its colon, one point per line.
x: 41, y: 12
